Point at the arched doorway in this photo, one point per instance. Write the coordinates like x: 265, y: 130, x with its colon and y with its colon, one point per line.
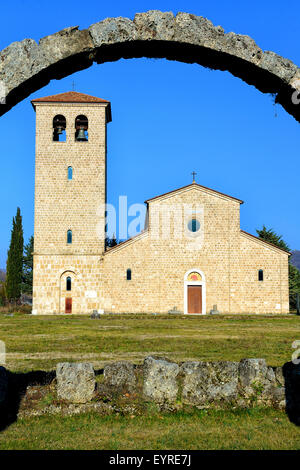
x: 194, y: 292
x: 67, y: 284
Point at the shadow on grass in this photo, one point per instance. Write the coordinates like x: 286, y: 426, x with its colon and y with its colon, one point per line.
x: 291, y: 373
x: 14, y: 386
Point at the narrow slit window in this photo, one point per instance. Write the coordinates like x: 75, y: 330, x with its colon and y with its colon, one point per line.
x: 128, y: 274
x: 193, y: 225
x: 70, y: 173
x: 69, y: 237
x: 260, y: 275
x: 68, y: 283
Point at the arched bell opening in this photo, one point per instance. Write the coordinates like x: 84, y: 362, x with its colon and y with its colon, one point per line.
x: 59, y: 128
x: 81, y: 128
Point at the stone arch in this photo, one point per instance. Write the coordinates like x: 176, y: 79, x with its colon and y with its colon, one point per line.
x: 26, y: 66
x: 68, y: 269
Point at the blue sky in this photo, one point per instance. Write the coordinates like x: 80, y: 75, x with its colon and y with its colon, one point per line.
x: 169, y: 118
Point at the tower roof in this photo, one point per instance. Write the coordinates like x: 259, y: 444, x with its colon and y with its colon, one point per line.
x: 73, y: 97
x: 70, y: 97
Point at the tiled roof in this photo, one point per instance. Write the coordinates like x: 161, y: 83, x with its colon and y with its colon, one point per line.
x: 69, y: 97
x: 74, y: 97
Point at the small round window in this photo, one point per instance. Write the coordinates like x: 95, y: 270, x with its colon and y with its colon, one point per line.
x: 193, y: 225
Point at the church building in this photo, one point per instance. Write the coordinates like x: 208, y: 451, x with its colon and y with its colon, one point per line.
x: 191, y: 255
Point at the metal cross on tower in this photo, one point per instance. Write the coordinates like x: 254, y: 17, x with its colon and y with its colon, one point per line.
x: 193, y: 174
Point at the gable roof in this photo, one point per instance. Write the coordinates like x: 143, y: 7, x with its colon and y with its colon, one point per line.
x: 70, y: 97
x: 265, y: 241
x: 136, y: 237
x: 73, y: 97
x: 195, y: 185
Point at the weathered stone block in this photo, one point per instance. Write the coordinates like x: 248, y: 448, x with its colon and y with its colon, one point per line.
x: 112, y: 30
x: 279, y: 376
x: 65, y: 43
x: 75, y: 382
x: 256, y: 378
x: 19, y: 62
x: 197, y: 30
x: 120, y: 375
x: 160, y: 382
x: 155, y: 24
x: 204, y: 382
x: 278, y: 397
x: 251, y: 370
x: 283, y: 68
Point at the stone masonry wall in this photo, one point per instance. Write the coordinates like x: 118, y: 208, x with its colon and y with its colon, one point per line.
x: 271, y: 295
x: 228, y: 259
x: 122, y: 387
x: 62, y: 205
x: 166, y: 383
x: 159, y: 258
x: 51, y: 271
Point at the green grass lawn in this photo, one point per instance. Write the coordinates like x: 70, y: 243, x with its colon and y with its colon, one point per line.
x: 41, y: 342
x: 211, y: 429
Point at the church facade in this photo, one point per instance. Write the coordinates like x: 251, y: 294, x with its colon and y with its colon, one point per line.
x: 192, y: 254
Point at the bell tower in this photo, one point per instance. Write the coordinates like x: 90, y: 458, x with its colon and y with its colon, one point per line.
x: 70, y: 193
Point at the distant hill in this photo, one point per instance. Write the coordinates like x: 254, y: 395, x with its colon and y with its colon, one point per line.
x: 2, y: 275
x: 295, y: 258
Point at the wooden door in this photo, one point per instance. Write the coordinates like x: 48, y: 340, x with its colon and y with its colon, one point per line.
x: 68, y: 308
x: 194, y: 299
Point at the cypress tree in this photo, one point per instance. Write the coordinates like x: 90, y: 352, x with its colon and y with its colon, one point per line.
x: 14, y: 265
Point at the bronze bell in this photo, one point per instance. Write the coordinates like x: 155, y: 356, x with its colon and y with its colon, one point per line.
x: 81, y: 135
x: 59, y: 130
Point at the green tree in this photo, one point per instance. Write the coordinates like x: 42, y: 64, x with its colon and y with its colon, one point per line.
x: 294, y: 279
x: 294, y: 274
x: 2, y: 294
x: 110, y: 242
x: 270, y: 236
x: 14, y: 264
x: 28, y: 267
